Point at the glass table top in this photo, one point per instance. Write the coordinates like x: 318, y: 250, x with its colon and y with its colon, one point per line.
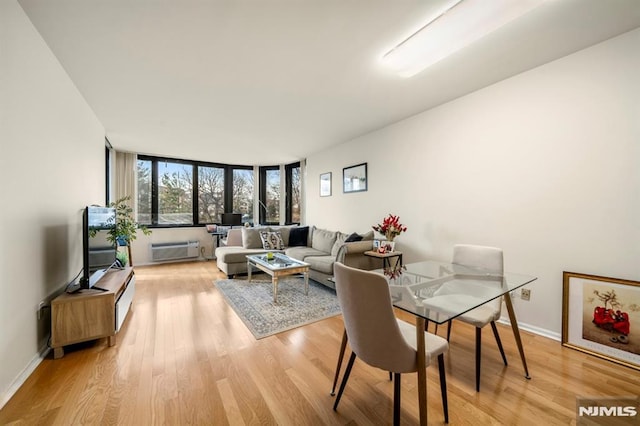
x: 440, y: 291
x: 279, y: 261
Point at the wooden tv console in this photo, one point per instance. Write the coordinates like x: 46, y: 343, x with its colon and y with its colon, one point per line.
x: 92, y: 314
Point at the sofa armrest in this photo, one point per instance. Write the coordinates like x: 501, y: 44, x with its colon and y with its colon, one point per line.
x: 234, y: 237
x: 352, y: 254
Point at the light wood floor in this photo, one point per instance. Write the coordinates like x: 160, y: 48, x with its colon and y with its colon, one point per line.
x: 184, y: 357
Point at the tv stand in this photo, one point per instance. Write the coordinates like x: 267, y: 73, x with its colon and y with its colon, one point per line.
x: 91, y: 314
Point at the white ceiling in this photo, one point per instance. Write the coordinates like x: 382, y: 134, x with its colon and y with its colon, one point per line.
x: 267, y: 82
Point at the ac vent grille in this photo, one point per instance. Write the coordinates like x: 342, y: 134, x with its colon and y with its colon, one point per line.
x: 175, y: 251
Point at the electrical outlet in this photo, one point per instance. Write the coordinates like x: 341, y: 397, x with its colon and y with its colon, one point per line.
x: 525, y: 294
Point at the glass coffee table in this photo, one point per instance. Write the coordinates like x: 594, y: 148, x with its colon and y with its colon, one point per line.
x: 278, y: 266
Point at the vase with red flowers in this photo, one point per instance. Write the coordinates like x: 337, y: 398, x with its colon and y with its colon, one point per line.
x: 390, y: 227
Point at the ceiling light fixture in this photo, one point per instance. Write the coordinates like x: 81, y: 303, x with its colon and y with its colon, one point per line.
x: 458, y: 24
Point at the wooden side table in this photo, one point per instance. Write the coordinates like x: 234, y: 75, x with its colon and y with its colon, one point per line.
x: 386, y: 257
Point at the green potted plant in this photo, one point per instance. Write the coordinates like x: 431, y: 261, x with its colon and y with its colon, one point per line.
x: 126, y: 228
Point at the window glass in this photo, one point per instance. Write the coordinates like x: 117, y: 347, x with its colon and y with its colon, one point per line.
x: 175, y: 193
x: 144, y: 192
x: 295, y: 192
x: 243, y: 193
x: 272, y: 200
x: 210, y: 194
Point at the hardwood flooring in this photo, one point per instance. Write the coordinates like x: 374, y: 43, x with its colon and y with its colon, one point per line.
x: 184, y: 357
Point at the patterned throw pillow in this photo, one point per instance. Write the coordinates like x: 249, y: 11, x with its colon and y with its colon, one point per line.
x: 271, y: 240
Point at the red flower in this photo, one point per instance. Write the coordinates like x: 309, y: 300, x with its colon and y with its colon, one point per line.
x: 390, y: 227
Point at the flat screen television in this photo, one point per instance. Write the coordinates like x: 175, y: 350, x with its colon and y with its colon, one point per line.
x: 231, y: 219
x: 98, y: 254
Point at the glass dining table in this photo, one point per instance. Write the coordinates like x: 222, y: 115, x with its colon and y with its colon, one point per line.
x: 439, y: 292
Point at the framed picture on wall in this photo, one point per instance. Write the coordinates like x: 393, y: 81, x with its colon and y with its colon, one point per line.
x: 601, y: 316
x: 325, y: 184
x: 354, y: 178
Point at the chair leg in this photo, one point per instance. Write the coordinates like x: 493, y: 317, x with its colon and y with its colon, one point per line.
x: 478, y: 350
x: 498, y: 341
x: 396, y: 399
x: 352, y: 358
x: 443, y: 387
x: 449, y: 325
x: 340, y: 357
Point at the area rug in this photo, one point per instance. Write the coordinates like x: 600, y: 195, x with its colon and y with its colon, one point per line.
x: 253, y: 302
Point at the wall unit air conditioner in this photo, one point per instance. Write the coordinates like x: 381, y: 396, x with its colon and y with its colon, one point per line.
x: 175, y: 251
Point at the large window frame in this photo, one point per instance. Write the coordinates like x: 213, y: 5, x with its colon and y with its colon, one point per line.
x: 289, y: 194
x: 155, y: 188
x: 263, y: 200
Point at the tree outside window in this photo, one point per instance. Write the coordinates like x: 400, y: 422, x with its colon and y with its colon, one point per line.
x: 144, y: 192
x: 272, y: 195
x: 294, y: 192
x: 210, y: 194
x: 175, y: 194
x: 243, y: 187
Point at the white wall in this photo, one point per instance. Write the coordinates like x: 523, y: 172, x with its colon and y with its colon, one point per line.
x: 545, y: 165
x: 51, y: 165
x: 141, y: 247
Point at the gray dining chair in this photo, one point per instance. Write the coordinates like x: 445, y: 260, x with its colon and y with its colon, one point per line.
x: 491, y: 259
x: 377, y: 337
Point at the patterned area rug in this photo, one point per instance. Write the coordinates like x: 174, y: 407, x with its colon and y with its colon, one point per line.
x: 253, y: 302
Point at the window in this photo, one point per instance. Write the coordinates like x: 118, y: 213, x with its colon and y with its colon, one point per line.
x: 270, y: 195
x: 107, y: 168
x: 293, y: 194
x: 210, y: 194
x: 144, y: 192
x: 175, y: 193
x: 243, y: 188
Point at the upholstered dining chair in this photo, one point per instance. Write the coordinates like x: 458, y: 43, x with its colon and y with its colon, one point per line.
x: 377, y: 337
x: 489, y: 258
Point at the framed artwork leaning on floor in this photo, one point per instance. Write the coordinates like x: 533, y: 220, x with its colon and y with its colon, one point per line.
x: 601, y: 316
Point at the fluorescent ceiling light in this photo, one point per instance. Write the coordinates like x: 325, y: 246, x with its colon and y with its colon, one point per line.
x: 458, y: 24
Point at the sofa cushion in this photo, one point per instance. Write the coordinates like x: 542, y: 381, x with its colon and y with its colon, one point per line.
x: 251, y: 237
x: 340, y: 240
x: 323, y: 239
x: 323, y: 264
x: 301, y: 253
x: 271, y: 240
x: 284, y: 232
x: 235, y: 254
x: 298, y: 236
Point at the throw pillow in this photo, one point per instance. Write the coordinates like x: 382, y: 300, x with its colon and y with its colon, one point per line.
x: 271, y: 240
x: 323, y: 239
x: 298, y: 236
x: 251, y: 237
x: 353, y: 237
x: 284, y: 232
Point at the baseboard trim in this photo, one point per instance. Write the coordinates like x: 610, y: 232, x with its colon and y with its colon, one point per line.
x: 23, y: 376
x: 533, y: 329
